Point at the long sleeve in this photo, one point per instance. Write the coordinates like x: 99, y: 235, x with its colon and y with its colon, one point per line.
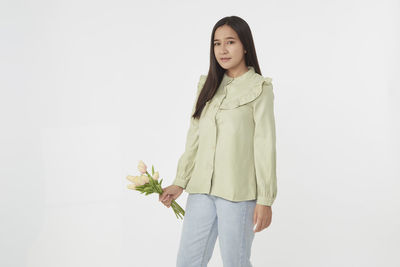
x: 265, y: 145
x: 187, y: 162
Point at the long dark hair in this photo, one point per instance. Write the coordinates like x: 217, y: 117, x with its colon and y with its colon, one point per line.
x: 216, y: 72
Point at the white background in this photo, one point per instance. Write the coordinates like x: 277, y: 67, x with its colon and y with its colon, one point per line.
x: 89, y: 88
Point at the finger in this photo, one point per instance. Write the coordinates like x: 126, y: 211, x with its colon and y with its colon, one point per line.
x: 269, y: 220
x: 257, y: 227
x: 259, y: 223
x: 164, y: 196
x: 262, y: 227
x: 169, y: 201
x: 267, y: 223
x: 164, y: 191
x: 255, y: 218
x: 165, y: 199
x: 166, y: 202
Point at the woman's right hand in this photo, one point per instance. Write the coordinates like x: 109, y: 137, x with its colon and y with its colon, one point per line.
x: 170, y: 193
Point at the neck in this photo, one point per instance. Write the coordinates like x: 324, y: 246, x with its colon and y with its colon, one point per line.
x: 237, y: 71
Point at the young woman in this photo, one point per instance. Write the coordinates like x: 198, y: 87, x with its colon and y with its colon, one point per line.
x: 229, y: 163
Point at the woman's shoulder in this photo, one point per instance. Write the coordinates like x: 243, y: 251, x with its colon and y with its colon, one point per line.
x: 265, y: 90
x: 203, y: 76
x: 261, y: 83
x: 201, y: 82
x: 261, y: 88
x: 262, y: 80
x: 202, y: 79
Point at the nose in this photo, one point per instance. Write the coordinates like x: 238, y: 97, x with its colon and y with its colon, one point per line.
x: 223, y: 52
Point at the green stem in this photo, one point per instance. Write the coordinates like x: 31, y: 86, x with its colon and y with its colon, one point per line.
x: 175, y: 206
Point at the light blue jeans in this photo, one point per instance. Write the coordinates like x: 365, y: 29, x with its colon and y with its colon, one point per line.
x: 207, y: 217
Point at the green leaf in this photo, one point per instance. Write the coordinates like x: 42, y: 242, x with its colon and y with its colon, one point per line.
x: 152, y: 170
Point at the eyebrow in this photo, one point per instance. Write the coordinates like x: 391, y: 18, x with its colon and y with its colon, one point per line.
x: 225, y: 38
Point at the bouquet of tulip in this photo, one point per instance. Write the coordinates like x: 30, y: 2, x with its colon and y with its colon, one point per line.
x: 149, y: 184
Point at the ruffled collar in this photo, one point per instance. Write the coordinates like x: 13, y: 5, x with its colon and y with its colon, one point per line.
x: 242, y: 89
x: 245, y: 76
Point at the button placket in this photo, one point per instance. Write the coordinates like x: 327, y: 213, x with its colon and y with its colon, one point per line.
x: 216, y: 106
x: 218, y: 103
x: 213, y: 145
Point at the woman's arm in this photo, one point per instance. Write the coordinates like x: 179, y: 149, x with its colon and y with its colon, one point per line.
x: 187, y: 160
x: 265, y: 145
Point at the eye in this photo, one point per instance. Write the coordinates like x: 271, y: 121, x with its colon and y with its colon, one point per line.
x: 215, y: 44
x: 231, y: 42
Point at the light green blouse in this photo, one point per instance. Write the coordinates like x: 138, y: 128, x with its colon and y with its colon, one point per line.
x: 230, y: 152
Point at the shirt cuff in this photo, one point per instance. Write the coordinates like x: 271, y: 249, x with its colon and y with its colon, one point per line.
x: 265, y: 201
x: 180, y: 182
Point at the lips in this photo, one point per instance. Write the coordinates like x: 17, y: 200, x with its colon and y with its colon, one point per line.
x: 225, y: 58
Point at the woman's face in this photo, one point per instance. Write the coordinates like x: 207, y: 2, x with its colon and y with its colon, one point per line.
x: 228, y: 49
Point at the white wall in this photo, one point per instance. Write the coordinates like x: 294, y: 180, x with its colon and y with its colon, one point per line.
x: 89, y: 88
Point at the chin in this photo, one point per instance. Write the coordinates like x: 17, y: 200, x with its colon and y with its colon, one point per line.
x: 226, y: 66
